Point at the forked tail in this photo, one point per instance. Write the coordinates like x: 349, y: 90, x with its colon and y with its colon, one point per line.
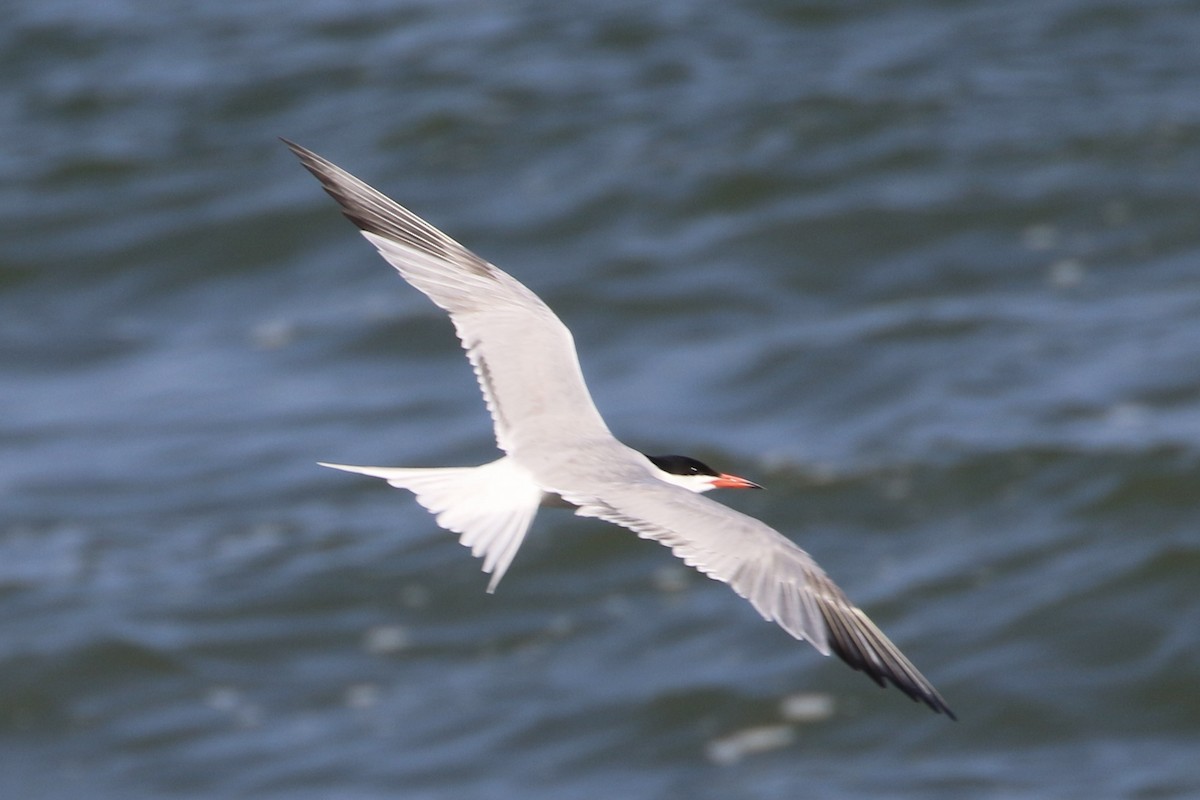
x: 490, y: 506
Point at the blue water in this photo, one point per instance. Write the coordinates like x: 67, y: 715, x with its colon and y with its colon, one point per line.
x: 927, y: 271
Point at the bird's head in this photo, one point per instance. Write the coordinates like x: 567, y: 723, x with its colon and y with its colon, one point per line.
x: 696, y: 476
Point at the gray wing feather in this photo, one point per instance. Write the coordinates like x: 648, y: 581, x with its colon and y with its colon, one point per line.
x: 523, y: 355
x: 780, y: 580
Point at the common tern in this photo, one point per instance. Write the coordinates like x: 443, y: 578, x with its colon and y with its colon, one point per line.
x: 558, y: 451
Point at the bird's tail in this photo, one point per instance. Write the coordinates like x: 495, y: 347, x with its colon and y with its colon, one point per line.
x: 490, y: 506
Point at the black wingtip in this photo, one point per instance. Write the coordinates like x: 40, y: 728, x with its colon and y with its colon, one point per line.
x: 299, y: 150
x: 857, y: 641
x: 363, y: 205
x: 916, y: 690
x: 375, y: 213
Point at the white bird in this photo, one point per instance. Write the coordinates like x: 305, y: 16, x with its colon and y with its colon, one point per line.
x: 559, y: 452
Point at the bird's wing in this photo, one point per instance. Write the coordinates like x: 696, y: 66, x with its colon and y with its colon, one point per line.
x: 523, y: 355
x: 779, y: 579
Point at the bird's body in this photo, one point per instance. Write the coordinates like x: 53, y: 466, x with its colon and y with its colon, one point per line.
x: 559, y: 451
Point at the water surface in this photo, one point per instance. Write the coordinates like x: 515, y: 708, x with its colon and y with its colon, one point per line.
x: 927, y: 271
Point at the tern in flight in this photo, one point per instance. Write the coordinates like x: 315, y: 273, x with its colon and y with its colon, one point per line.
x: 559, y: 452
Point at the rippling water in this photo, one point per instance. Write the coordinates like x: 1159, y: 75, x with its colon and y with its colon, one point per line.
x: 928, y: 271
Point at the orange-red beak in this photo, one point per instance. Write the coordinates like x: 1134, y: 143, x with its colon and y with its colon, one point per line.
x: 727, y: 481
